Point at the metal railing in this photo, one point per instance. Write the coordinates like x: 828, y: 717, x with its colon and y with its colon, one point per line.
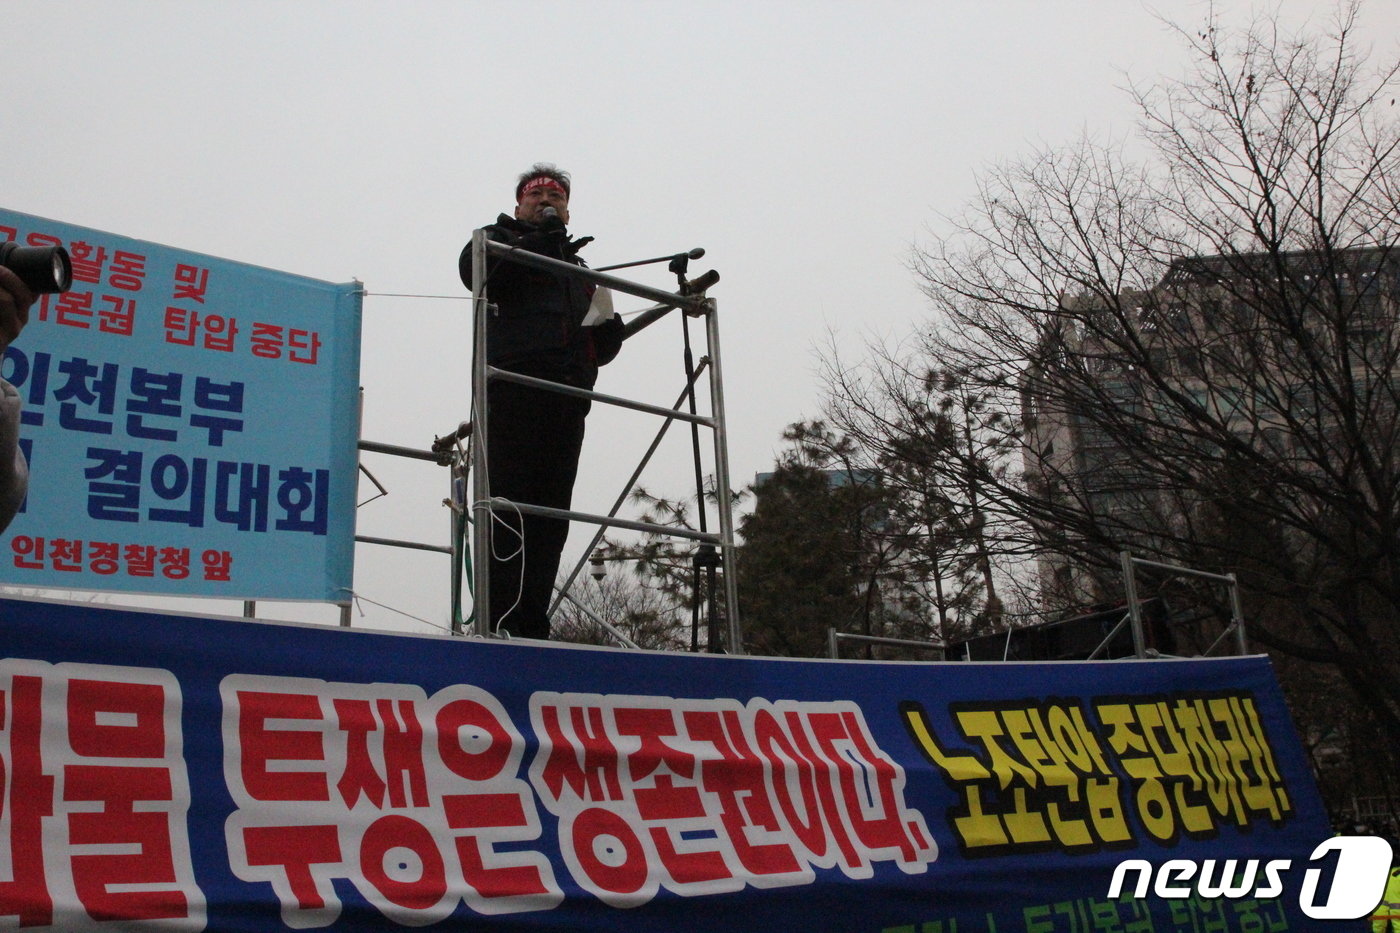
x: 691, y: 301
x: 441, y: 457
x: 834, y: 639
x: 1134, y: 611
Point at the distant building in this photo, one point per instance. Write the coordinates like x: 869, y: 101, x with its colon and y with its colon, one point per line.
x: 1215, y: 333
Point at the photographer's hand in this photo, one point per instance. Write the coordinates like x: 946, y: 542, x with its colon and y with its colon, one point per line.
x: 15, y: 301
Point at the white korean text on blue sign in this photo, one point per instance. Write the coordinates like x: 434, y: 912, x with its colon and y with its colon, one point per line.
x: 190, y: 424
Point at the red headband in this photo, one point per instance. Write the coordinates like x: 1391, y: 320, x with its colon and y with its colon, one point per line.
x: 544, y: 181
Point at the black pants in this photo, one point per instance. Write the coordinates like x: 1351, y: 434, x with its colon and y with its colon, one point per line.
x: 533, y: 443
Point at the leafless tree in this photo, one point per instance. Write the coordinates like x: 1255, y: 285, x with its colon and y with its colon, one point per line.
x: 645, y: 616
x: 908, y: 417
x: 1191, y: 340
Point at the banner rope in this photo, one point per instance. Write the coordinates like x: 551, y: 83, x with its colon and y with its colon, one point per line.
x: 358, y: 597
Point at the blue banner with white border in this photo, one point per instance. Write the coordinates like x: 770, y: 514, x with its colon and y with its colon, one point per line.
x: 191, y: 424
x: 164, y: 772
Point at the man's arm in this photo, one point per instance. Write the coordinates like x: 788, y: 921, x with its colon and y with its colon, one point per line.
x: 464, y: 262
x: 15, y: 301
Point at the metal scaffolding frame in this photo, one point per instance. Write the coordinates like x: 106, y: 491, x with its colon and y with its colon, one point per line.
x: 691, y: 300
x: 440, y: 456
x: 1134, y: 612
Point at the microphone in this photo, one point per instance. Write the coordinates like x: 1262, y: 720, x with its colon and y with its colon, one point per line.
x: 550, y: 219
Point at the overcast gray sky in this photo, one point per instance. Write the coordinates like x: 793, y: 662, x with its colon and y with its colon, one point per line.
x: 805, y: 145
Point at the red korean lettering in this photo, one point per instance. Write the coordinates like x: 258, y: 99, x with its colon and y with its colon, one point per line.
x: 403, y: 754
x: 191, y: 282
x: 650, y: 726
x: 585, y: 761
x: 811, y: 758
x: 307, y: 341
x: 175, y: 561
x: 112, y: 886
x: 128, y: 271
x: 219, y: 332
x: 803, y: 813
x: 87, y: 261
x: 180, y: 325
x: 887, y: 830
x: 377, y: 847
x: 140, y: 560
x: 260, y: 746
x: 609, y: 852
x: 403, y: 778
x: 666, y: 800
x: 267, y: 340
x: 218, y: 566
x: 74, y: 310
x: 737, y: 781
x: 108, y: 719
x: 27, y: 793
x: 35, y: 238
x: 356, y: 719
x: 478, y: 812
x: 139, y: 733
x: 471, y: 741
x: 102, y: 557
x: 119, y: 317
x: 66, y: 555
x: 294, y: 849
x: 29, y: 552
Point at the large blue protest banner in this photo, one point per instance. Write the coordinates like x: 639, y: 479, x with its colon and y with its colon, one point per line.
x: 173, y: 773
x: 191, y: 425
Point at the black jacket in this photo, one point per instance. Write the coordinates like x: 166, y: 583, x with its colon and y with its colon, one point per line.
x: 535, y: 323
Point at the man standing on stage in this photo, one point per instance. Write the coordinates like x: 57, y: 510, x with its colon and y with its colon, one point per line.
x: 535, y: 328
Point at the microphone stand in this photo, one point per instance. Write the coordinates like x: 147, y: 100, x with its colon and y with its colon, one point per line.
x: 706, y: 557
x: 675, y: 257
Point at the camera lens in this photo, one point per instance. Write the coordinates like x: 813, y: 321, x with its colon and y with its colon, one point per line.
x: 62, y: 270
x: 45, y: 269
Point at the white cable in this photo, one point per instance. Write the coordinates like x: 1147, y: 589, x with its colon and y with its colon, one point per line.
x: 519, y: 550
